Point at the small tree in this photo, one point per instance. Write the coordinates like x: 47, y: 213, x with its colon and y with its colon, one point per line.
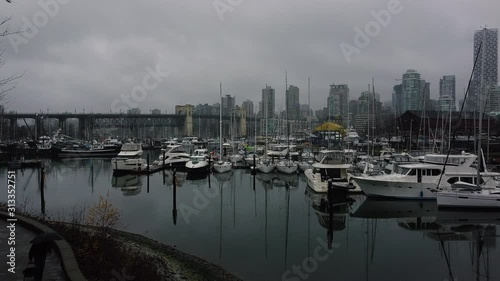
x: 105, y: 217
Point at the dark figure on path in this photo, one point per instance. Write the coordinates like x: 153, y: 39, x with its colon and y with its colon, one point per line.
x: 39, y: 252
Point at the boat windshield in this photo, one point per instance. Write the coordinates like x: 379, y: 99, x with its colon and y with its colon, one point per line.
x: 401, y: 170
x: 131, y: 147
x: 178, y: 149
x: 196, y: 159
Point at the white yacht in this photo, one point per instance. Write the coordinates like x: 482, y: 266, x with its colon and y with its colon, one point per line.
x: 198, y: 162
x: 175, y: 156
x: 419, y: 181
x: 287, y: 166
x: 332, y: 166
x: 222, y: 166
x: 352, y: 136
x: 398, y: 159
x: 129, y: 159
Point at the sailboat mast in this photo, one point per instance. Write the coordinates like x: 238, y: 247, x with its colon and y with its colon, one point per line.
x: 287, y: 124
x: 220, y: 121
x: 309, y: 108
x: 373, y: 126
x: 479, y: 103
x: 368, y: 129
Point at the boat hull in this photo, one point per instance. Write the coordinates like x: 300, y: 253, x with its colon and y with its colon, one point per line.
x: 222, y: 168
x: 287, y: 169
x: 87, y: 153
x: 396, y: 189
x: 265, y: 168
x: 474, y: 199
x: 318, y: 185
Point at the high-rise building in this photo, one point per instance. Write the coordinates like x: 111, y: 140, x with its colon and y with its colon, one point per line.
x: 488, y: 73
x: 228, y: 103
x: 413, y: 91
x: 397, y: 99
x: 305, y: 112
x: 248, y: 107
x: 425, y: 87
x: 337, y: 101
x: 268, y: 102
x: 446, y: 103
x: 292, y: 103
x: 493, y: 103
x: 447, y: 88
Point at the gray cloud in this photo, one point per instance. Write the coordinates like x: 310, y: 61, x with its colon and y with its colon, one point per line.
x: 91, y: 52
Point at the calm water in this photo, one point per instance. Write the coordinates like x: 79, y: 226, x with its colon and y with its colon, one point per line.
x: 261, y: 233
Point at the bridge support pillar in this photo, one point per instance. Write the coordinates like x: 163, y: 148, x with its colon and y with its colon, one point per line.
x: 243, y: 122
x: 187, y: 111
x: 82, y: 125
x: 12, y: 128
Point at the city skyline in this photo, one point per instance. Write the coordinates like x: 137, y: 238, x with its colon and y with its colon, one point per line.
x: 94, y: 66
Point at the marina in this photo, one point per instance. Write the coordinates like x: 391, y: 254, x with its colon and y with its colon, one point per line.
x: 277, y: 221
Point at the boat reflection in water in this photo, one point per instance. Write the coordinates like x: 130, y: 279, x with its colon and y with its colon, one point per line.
x: 282, y: 180
x: 222, y: 177
x: 340, y: 207
x: 129, y: 184
x: 373, y: 208
x: 265, y: 177
x: 168, y: 175
x: 449, y: 227
x: 479, y: 229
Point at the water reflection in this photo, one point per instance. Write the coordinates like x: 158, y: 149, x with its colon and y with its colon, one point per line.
x: 259, y: 230
x: 129, y: 184
x: 451, y: 229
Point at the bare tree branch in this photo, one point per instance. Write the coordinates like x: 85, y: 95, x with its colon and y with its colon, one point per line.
x: 9, y: 83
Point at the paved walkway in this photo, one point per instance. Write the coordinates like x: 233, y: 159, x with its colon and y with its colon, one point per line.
x: 52, y: 271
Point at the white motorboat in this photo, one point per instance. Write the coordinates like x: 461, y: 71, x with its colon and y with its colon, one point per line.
x: 129, y: 159
x: 287, y: 166
x: 419, y: 181
x: 175, y: 156
x: 223, y: 166
x: 331, y: 167
x: 249, y: 159
x: 198, y: 164
x: 44, y: 143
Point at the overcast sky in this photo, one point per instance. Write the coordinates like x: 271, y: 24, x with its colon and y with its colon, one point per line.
x: 91, y: 52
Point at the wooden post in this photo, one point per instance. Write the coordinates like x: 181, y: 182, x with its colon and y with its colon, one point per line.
x: 254, y: 171
x: 174, y: 208
x: 42, y: 188
x: 147, y: 171
x: 330, y: 214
